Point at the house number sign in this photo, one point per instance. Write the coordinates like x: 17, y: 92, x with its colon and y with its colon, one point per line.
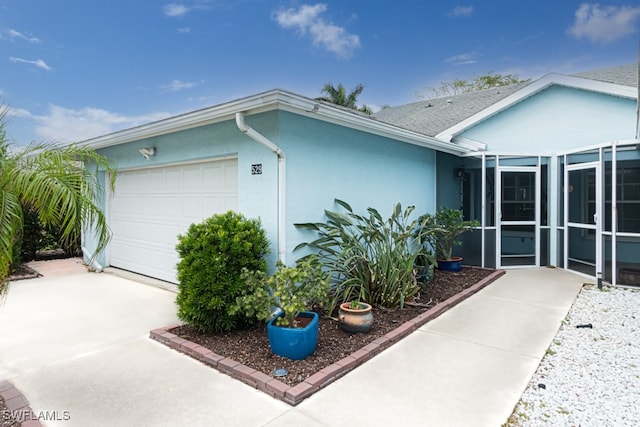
x: 256, y: 169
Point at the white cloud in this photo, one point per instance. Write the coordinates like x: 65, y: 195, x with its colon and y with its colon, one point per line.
x: 604, y: 24
x: 70, y: 125
x: 307, y: 19
x: 15, y: 34
x: 462, y: 11
x: 184, y: 30
x: 178, y: 85
x: 175, y: 10
x: 462, y: 59
x: 38, y: 62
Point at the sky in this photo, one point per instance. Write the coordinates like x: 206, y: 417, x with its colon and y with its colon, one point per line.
x: 75, y: 69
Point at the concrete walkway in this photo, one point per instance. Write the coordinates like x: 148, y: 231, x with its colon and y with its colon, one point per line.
x: 77, y: 345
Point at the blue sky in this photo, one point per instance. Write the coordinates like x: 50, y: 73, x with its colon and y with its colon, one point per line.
x: 74, y: 69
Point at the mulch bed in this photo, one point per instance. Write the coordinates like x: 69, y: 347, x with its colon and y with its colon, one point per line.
x: 250, y: 348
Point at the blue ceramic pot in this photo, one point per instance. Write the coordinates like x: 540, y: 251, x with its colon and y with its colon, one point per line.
x: 455, y: 264
x: 294, y: 343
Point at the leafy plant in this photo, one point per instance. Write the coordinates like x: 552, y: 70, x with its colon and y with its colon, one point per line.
x: 213, y: 254
x: 59, y: 182
x: 355, y: 305
x: 443, y: 229
x: 291, y: 289
x: 370, y: 259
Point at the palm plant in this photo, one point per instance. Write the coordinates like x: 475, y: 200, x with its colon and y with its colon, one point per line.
x: 338, y: 95
x: 58, y: 182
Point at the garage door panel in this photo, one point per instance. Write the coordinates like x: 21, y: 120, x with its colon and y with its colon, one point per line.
x: 151, y: 207
x: 173, y: 181
x: 231, y: 176
x: 173, y: 207
x: 220, y: 204
x: 192, y: 180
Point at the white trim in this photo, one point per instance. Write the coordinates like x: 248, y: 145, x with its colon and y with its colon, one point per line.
x: 483, y: 207
x: 470, y: 144
x: 183, y: 163
x: 535, y: 223
x: 507, y: 154
x: 597, y: 227
x: 534, y: 88
x: 276, y: 99
x: 608, y: 144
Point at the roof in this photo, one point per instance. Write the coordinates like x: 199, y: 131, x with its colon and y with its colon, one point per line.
x: 435, y: 115
x: 625, y: 75
x: 443, y: 118
x: 276, y: 99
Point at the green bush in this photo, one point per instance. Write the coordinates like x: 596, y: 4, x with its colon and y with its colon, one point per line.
x: 371, y: 259
x: 36, y: 237
x: 292, y: 289
x: 442, y: 230
x: 212, y: 257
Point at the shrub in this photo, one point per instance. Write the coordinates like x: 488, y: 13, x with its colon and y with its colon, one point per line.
x: 291, y: 289
x: 442, y: 230
x: 371, y: 259
x: 212, y: 256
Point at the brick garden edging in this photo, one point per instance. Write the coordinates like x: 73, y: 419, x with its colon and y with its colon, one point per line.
x: 18, y: 406
x: 296, y: 394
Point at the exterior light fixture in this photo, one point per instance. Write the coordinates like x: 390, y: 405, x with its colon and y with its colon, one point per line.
x: 147, y: 152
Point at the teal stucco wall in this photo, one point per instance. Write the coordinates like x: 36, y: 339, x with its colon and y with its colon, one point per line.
x: 556, y: 119
x: 324, y: 161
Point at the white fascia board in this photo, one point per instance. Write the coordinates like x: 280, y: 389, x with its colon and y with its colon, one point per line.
x: 595, y: 147
x: 533, y: 88
x: 326, y: 112
x: 272, y: 100
x: 470, y: 144
x: 507, y: 154
x: 217, y: 113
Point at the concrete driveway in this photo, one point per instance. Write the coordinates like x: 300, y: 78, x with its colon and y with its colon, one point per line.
x: 78, y: 343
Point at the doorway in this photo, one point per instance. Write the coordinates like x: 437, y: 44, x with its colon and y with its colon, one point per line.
x: 583, y: 230
x: 518, y: 222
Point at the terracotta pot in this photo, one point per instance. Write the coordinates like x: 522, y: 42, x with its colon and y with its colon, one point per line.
x: 354, y: 320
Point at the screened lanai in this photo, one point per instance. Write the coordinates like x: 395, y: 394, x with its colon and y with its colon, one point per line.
x: 577, y: 210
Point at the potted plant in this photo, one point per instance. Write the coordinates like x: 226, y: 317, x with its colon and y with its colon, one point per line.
x: 445, y: 228
x: 282, y: 300
x: 355, y: 316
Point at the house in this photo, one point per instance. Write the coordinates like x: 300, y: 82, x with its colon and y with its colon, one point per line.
x: 276, y: 156
x: 549, y: 164
x: 504, y: 155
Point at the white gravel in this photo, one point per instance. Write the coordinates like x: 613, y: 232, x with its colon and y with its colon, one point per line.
x: 589, y: 376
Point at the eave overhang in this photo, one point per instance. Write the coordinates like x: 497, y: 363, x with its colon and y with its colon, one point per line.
x: 268, y: 101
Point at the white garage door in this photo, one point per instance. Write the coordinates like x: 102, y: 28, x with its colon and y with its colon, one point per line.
x: 151, y: 207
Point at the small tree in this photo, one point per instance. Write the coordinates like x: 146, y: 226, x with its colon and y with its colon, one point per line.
x: 213, y: 254
x: 458, y: 86
x: 59, y: 184
x: 338, y: 95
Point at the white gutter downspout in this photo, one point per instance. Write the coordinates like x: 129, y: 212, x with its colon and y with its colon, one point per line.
x: 258, y: 137
x: 92, y: 261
